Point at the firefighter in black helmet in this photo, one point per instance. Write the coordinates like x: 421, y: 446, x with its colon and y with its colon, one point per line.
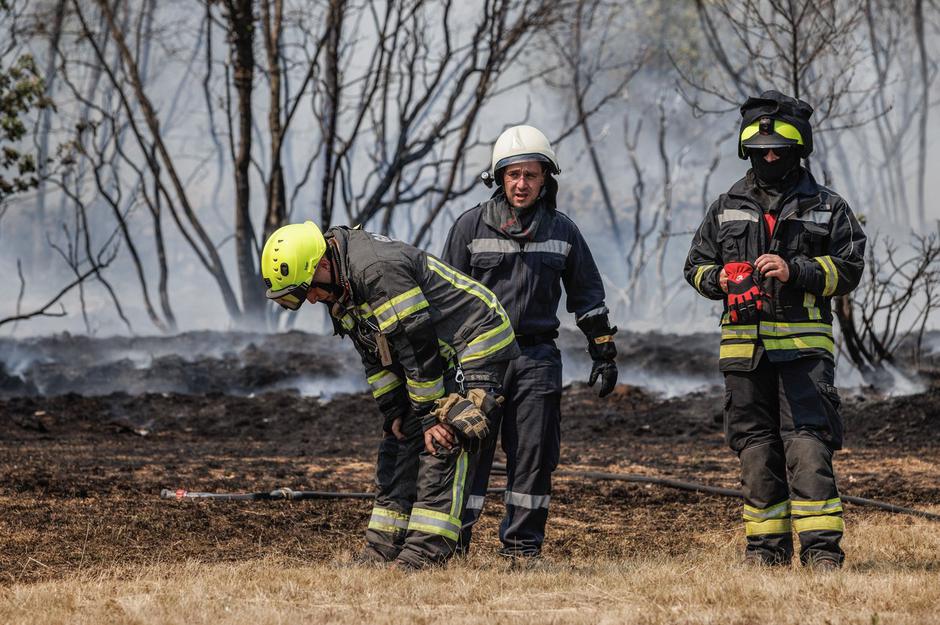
x: 776, y: 248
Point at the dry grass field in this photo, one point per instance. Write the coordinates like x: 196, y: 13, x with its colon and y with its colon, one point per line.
x: 84, y: 537
x: 893, y: 577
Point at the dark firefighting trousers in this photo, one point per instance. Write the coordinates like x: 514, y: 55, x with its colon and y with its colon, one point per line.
x: 782, y: 419
x: 416, y: 517
x: 531, y: 439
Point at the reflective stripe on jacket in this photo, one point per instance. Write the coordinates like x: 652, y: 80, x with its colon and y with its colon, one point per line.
x: 429, y: 313
x: 527, y: 275
x: 824, y: 246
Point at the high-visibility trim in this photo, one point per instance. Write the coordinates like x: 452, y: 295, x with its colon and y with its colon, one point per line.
x: 812, y: 310
x: 739, y: 332
x: 460, y: 484
x: 365, y: 310
x: 475, y: 502
x: 594, y: 312
x: 777, y: 511
x: 699, y: 274
x: 736, y: 214
x: 552, y: 246
x: 510, y: 246
x: 524, y: 500
x: 819, y: 523
x: 744, y: 350
x: 782, y: 128
x: 821, y: 217
x: 800, y: 342
x: 832, y: 274
x: 784, y: 328
x: 489, y: 342
x: 502, y: 246
x: 465, y: 283
x: 385, y: 520
x: 447, y: 351
x: 383, y: 382
x: 433, y: 522
x: 425, y: 391
x: 816, y: 508
x: 399, y: 307
x: 347, y: 322
x: 770, y: 526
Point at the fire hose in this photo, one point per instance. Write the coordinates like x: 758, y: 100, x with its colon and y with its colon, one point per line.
x: 300, y: 495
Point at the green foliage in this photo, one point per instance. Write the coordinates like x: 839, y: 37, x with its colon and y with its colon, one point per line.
x: 22, y: 90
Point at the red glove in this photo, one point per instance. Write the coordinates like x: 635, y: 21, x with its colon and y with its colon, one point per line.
x: 744, y: 294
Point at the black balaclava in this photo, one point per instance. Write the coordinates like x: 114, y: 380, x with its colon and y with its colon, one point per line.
x: 773, y: 173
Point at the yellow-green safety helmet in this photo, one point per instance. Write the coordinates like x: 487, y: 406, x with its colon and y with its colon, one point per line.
x: 288, y: 261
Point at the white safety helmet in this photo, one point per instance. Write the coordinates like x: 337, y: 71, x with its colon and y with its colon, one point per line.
x: 517, y: 144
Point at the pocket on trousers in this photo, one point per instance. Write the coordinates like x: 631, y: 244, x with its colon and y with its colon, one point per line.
x: 832, y: 403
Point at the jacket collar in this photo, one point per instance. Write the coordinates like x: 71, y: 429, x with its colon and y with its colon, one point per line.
x: 805, y: 186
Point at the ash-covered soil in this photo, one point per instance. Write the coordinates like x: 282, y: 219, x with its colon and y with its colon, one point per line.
x: 80, y: 474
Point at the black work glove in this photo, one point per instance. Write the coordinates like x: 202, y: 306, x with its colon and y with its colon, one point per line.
x: 606, y: 370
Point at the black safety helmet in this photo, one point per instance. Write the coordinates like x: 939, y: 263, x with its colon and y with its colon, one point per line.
x: 774, y: 120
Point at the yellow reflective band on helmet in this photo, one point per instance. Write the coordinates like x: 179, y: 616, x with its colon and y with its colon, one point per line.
x: 801, y: 342
x: 434, y: 522
x: 777, y: 511
x: 399, y: 307
x: 782, y: 128
x: 817, y: 508
x: 770, y: 526
x: 425, y: 391
x: 383, y: 382
x: 832, y: 274
x: 819, y: 523
x: 745, y: 350
x: 289, y: 259
x: 699, y: 274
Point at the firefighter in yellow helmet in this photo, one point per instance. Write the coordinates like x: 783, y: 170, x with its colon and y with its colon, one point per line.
x: 776, y: 248
x: 434, y: 344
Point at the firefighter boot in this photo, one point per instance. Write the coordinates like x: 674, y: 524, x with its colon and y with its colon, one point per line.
x: 766, y: 504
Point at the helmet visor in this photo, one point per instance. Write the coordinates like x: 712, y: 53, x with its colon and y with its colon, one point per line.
x: 291, y: 297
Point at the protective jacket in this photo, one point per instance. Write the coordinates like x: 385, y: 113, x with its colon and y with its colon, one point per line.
x: 411, y: 316
x: 823, y: 244
x: 527, y: 275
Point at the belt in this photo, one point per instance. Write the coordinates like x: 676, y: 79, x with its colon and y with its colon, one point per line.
x: 528, y: 340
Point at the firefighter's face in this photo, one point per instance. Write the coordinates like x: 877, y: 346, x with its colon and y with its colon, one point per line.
x: 322, y: 275
x: 523, y: 182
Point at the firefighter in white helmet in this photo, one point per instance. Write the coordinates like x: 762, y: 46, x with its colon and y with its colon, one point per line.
x: 522, y: 247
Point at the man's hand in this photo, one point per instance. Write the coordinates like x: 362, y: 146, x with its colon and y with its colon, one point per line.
x: 723, y: 280
x: 396, y: 429
x: 606, y: 370
x: 772, y: 266
x: 442, y: 434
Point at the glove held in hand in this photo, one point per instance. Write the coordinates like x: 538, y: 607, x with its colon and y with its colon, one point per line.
x: 744, y: 294
x: 467, y: 414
